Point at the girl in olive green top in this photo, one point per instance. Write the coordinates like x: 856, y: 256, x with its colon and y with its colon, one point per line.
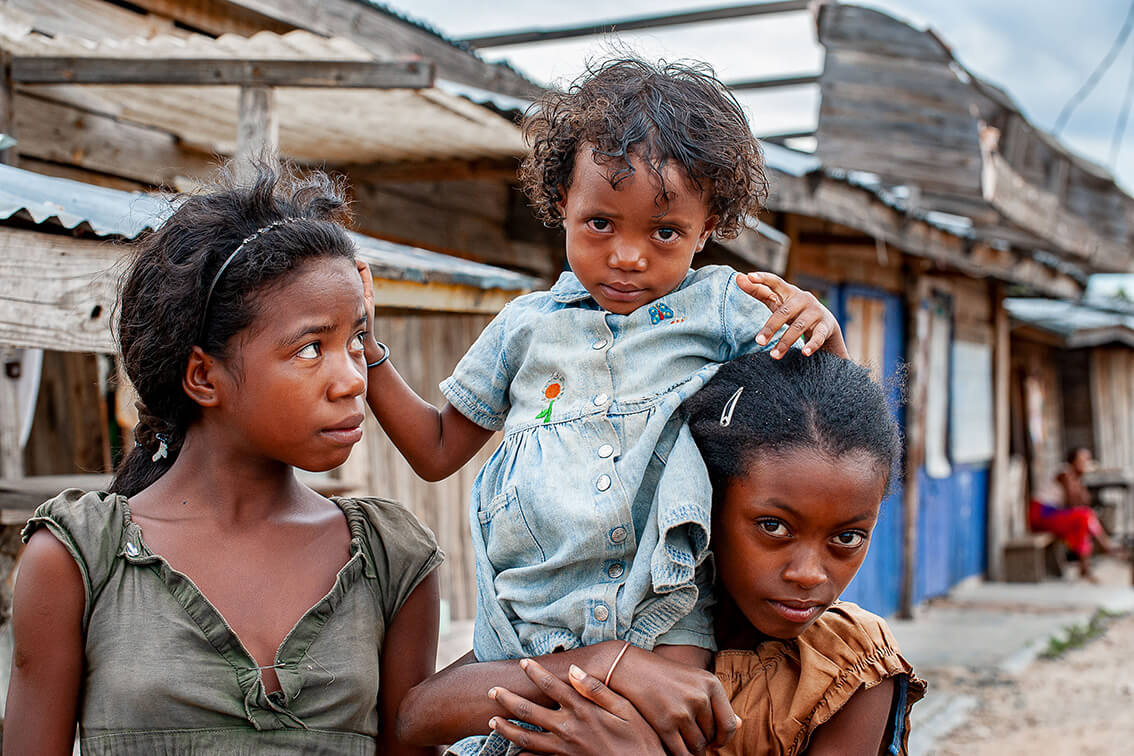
x: 210, y: 603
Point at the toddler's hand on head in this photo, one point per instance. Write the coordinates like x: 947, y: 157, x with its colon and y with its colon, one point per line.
x: 800, y: 310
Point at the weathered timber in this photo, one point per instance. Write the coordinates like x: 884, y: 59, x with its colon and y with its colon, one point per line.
x: 1000, y: 498
x: 500, y: 39
x: 917, y: 381
x: 92, y: 19
x: 411, y: 295
x: 57, y: 292
x: 357, y: 74
x: 61, y: 134
x: 11, y: 453
x: 257, y: 133
x: 7, y: 107
x: 213, y: 16
x: 382, y: 32
x: 481, y: 169
x: 779, y: 82
x: 850, y: 26
x: 1042, y: 213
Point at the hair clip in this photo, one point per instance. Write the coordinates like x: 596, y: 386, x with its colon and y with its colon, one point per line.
x: 730, y: 405
x: 163, y: 447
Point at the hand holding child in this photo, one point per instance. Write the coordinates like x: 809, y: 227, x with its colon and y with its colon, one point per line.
x: 808, y: 317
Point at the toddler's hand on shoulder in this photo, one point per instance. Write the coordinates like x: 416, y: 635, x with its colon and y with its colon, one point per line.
x: 801, y: 311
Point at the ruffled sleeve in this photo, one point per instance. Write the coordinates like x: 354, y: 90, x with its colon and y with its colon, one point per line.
x: 401, y: 550
x: 785, y: 690
x: 90, y: 525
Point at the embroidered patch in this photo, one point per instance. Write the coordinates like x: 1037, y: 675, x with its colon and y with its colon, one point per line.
x: 552, y: 390
x: 660, y: 312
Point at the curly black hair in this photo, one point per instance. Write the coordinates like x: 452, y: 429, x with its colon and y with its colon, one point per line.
x: 822, y: 401
x: 162, y: 299
x: 666, y: 111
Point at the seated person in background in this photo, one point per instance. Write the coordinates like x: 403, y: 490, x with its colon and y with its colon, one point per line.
x: 1074, y: 521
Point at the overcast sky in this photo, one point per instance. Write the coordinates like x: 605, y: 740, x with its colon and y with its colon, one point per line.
x: 1040, y: 51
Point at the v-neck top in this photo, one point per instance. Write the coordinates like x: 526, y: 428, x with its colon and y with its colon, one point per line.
x: 165, y: 674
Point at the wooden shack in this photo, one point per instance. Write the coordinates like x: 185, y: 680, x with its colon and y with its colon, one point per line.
x: 117, y: 100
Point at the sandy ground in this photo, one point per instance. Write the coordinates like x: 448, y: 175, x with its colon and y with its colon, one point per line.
x: 1081, y: 703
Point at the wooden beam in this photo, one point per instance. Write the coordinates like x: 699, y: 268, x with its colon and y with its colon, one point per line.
x: 257, y: 133
x: 69, y: 136
x: 782, y: 81
x: 499, y: 39
x: 411, y: 295
x: 214, y: 16
x: 783, y: 136
x: 917, y: 381
x: 375, y: 74
x: 478, y: 169
x: 382, y: 32
x: 1000, y: 499
x: 8, y: 156
x: 11, y: 451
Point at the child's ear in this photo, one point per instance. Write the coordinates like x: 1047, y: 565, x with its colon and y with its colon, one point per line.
x: 200, y: 377
x: 710, y: 226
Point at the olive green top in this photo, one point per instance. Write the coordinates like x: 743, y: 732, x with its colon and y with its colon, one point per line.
x: 165, y: 674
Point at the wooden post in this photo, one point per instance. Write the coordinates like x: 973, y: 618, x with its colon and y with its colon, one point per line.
x: 1000, y: 498
x: 7, y: 100
x: 11, y: 452
x: 257, y: 133
x: 917, y: 352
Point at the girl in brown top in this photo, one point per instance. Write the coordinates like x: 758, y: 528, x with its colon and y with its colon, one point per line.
x: 212, y: 603
x: 801, y: 455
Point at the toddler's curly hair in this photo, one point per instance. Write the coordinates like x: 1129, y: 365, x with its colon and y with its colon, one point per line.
x: 666, y: 111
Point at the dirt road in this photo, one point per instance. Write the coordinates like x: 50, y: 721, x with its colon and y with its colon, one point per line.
x: 1079, y: 704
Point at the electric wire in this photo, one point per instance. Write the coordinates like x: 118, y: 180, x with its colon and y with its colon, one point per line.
x: 1097, y: 74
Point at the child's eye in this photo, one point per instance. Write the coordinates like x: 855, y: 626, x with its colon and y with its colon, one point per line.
x: 599, y: 224
x: 772, y: 527
x: 310, y: 352
x: 851, y: 539
x: 358, y: 343
x: 666, y: 233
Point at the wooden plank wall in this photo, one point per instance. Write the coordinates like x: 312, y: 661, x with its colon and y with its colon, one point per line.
x: 1037, y: 360
x: 425, y: 348
x: 1112, y: 393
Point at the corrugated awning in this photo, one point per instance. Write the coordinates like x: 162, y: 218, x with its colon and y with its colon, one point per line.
x: 329, y: 124
x: 46, y: 200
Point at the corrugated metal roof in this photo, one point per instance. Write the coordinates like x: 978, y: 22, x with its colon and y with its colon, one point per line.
x: 1079, y: 325
x: 110, y: 212
x: 334, y: 125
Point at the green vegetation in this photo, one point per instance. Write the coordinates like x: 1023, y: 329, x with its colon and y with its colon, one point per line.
x: 1079, y: 635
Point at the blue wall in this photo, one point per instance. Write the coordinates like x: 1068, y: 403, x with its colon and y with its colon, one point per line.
x: 952, y: 511
x: 951, y: 529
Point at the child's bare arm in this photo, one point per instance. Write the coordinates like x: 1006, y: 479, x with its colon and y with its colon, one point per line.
x: 436, y: 442
x: 47, y: 654
x: 858, y: 728
x: 800, y: 310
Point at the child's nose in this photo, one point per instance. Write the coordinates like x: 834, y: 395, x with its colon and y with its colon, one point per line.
x: 628, y: 256
x: 806, y: 569
x: 348, y: 379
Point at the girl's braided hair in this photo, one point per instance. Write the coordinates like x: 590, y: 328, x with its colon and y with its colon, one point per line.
x: 668, y: 111
x: 822, y: 402
x: 162, y: 299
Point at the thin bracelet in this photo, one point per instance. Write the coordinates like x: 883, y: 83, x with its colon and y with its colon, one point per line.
x: 385, y: 356
x: 617, y: 659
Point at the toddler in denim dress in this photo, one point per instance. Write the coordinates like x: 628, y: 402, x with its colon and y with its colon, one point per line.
x: 590, y: 522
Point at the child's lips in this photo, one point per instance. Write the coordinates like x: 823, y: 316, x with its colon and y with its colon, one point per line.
x: 797, y: 612
x: 621, y: 292
x: 347, y: 432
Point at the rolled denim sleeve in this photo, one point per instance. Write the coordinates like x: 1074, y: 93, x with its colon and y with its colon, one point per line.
x: 696, y: 628
x: 743, y: 316
x: 480, y: 384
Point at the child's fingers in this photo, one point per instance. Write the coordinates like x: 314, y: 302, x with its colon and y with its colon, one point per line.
x: 787, y: 312
x: 726, y: 720
x: 819, y: 334
x: 804, y: 323
x: 529, y: 740
x: 758, y: 291
x: 552, y: 686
